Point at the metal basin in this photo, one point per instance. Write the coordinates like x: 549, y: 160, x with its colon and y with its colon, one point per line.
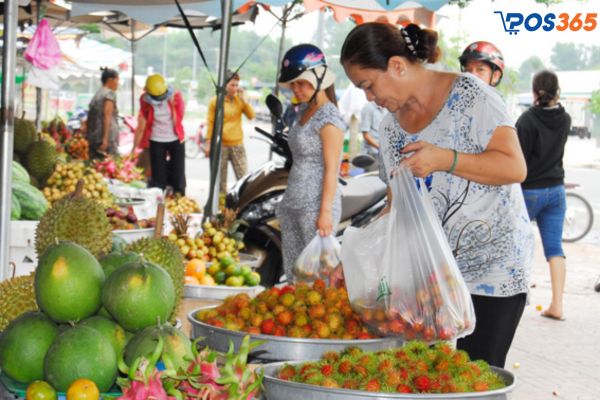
x: 278, y: 389
x: 278, y: 348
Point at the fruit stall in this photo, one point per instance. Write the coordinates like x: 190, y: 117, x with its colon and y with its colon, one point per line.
x: 122, y: 292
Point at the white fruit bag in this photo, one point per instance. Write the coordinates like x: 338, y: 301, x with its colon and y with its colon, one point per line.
x: 400, y: 273
x: 318, y: 259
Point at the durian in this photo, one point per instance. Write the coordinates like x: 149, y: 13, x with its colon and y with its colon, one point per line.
x: 78, y: 219
x: 165, y: 253
x: 41, y: 159
x: 16, y: 297
x: 24, y: 134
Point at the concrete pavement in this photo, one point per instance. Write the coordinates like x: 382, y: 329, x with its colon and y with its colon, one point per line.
x: 560, y: 359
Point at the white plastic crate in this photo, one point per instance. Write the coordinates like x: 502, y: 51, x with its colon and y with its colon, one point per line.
x: 22, y: 246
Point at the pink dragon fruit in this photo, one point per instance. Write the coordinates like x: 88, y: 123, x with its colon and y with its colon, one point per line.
x: 145, y: 381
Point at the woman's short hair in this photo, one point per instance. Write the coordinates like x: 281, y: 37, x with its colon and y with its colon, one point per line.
x: 545, y: 87
x: 108, y: 73
x: 372, y: 44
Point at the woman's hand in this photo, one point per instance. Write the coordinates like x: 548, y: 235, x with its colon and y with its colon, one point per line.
x: 104, y: 146
x: 337, y: 279
x: 325, y: 223
x: 426, y: 158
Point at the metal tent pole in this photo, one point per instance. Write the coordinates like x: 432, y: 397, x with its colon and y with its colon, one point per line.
x: 284, y: 22
x: 7, y: 110
x: 133, y: 46
x: 38, y: 91
x: 212, y: 205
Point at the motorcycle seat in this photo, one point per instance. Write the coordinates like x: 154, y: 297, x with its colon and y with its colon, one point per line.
x: 360, y: 193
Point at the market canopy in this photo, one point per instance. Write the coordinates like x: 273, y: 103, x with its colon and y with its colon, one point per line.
x: 156, y: 12
x: 399, y: 12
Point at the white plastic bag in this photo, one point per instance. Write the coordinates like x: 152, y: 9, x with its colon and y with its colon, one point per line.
x: 318, y: 259
x: 400, y: 273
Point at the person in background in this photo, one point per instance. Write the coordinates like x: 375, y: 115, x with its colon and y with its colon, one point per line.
x: 543, y: 130
x: 160, y: 128
x: 102, y: 120
x: 311, y: 203
x: 483, y: 60
x: 370, y: 119
x: 232, y: 149
x: 290, y: 115
x: 457, y: 129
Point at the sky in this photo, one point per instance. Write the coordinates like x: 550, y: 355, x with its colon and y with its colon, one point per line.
x: 479, y: 22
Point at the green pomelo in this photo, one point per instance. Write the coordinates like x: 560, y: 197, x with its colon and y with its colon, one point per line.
x: 81, y: 352
x: 114, y: 260
x: 139, y: 295
x: 110, y: 330
x: 176, y: 348
x: 24, y: 344
x: 68, y: 283
x: 167, y: 255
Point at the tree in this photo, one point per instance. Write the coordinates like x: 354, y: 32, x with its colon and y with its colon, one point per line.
x: 595, y: 103
x: 568, y: 57
x: 529, y: 67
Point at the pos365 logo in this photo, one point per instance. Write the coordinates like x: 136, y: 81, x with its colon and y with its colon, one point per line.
x: 512, y: 22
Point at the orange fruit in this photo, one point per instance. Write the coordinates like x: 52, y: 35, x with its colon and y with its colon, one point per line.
x: 191, y: 280
x: 40, y: 390
x: 83, y: 389
x: 195, y: 267
x: 207, y: 280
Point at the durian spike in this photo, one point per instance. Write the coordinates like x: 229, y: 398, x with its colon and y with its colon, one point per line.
x: 160, y: 217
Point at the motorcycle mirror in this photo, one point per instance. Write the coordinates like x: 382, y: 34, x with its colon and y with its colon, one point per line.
x: 274, y: 105
x: 363, y: 161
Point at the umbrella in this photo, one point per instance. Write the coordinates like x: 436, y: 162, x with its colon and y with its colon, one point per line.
x: 392, y: 11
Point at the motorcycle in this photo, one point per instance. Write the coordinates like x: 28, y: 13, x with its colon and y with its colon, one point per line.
x: 257, y: 195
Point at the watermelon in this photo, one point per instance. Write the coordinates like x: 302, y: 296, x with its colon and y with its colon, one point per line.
x: 15, y: 208
x: 19, y: 173
x: 32, y: 200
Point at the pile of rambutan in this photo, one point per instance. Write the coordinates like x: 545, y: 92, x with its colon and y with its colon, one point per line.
x: 298, y: 311
x: 413, y: 368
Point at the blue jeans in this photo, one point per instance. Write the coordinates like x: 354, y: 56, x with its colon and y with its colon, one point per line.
x: 547, y: 206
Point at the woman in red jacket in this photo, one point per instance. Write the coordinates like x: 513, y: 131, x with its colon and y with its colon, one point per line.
x: 160, y: 129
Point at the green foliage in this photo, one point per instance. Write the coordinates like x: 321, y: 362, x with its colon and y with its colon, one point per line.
x: 577, y: 57
x: 568, y: 56
x: 594, y: 105
x: 510, y: 82
x: 529, y: 67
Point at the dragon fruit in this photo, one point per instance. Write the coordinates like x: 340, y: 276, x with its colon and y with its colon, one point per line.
x: 234, y: 381
x: 202, y: 379
x: 145, y: 381
x: 121, y: 168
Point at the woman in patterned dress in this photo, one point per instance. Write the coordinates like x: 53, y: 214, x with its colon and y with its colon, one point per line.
x: 456, y: 129
x: 312, y: 201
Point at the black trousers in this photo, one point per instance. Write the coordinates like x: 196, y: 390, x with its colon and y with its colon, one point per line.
x: 167, y: 161
x: 497, y: 321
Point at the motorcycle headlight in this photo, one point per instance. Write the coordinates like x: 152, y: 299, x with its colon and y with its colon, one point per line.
x: 261, y: 210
